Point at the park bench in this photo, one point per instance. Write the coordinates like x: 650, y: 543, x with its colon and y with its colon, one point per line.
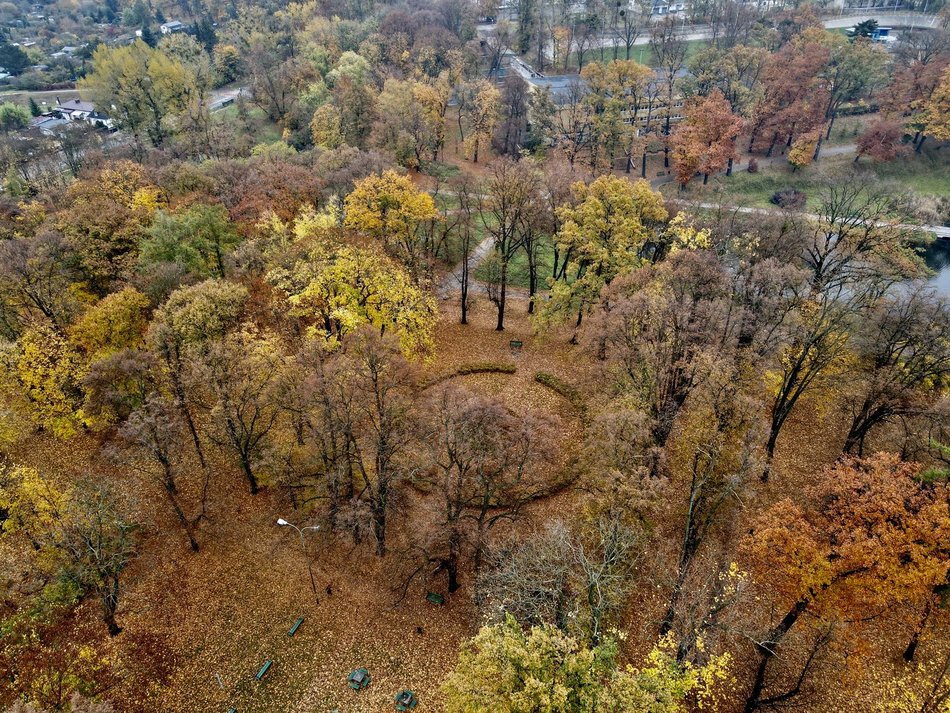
x: 358, y: 679
x: 293, y: 629
x: 435, y: 598
x: 264, y: 669
x: 515, y: 345
x: 406, y: 701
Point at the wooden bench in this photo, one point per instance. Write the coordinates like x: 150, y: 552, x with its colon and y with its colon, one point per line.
x: 515, y: 345
x: 293, y: 629
x: 264, y: 669
x: 435, y: 598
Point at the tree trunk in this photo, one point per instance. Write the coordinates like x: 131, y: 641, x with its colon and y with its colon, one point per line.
x: 729, y: 168
x: 767, y: 651
x: 502, y: 293
x: 920, y: 144
x: 379, y: 530
x: 831, y: 123
x: 249, y: 474
x: 914, y: 642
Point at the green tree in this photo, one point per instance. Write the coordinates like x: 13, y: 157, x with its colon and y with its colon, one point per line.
x: 13, y: 59
x: 13, y: 117
x: 197, y: 239
x: 144, y: 86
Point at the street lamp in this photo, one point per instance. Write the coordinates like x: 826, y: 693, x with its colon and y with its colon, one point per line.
x: 281, y: 522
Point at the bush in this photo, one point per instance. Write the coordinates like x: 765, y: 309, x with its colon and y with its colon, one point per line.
x: 481, y: 367
x: 789, y: 198
x: 559, y: 386
x: 753, y: 166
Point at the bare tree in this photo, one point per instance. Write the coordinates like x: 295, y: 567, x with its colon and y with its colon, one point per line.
x: 509, y: 210
x: 905, y: 355
x: 486, y: 463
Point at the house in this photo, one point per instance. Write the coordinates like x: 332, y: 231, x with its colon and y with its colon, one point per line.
x: 47, y: 123
x: 170, y: 28
x: 79, y: 110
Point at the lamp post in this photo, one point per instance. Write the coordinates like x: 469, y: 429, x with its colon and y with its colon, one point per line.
x: 281, y: 522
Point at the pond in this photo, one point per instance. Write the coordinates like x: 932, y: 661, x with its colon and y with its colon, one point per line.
x: 937, y: 257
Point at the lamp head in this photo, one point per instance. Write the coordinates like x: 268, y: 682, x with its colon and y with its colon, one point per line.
x: 282, y: 522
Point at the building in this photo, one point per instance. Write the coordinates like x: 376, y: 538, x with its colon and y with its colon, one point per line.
x: 79, y: 110
x: 170, y: 28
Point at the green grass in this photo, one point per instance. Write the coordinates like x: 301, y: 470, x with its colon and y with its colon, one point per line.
x: 518, y: 267
x: 920, y: 176
x: 258, y: 128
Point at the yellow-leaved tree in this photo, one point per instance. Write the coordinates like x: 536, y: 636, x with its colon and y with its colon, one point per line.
x: 115, y: 323
x: 390, y: 208
x: 143, y: 86
x: 46, y: 370
x: 338, y: 288
x: 605, y: 234
x: 506, y: 669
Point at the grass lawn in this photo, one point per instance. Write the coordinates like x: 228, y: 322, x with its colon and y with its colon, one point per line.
x: 45, y: 99
x: 257, y: 126
x: 923, y: 176
x: 518, y: 267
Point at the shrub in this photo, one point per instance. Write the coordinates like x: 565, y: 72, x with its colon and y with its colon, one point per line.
x: 753, y: 166
x: 789, y: 198
x: 559, y: 386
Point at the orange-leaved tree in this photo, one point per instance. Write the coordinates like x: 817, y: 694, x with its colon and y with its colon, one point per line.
x: 873, y: 534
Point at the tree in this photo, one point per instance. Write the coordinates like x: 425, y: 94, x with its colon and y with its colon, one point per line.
x: 144, y: 87
x: 241, y: 372
x: 46, y: 369
x: 325, y: 127
x: 13, y: 59
x: 191, y: 318
x: 482, y: 117
x: 198, y: 239
x: 411, y: 120
x: 343, y: 287
x: 705, y: 141
x: 35, y: 282
x: 79, y: 534
x: 379, y: 384
x: 855, y: 68
x: 114, y: 323
x: 865, y: 28
x: 104, y: 219
x: 794, y: 96
x: 604, y: 234
x: 575, y: 579
x: 872, y: 536
x: 904, y: 355
x: 935, y: 118
x: 504, y: 668
x: 669, y: 52
x: 509, y: 213
x: 391, y: 209
x: 154, y: 430
x: 883, y: 140
x: 485, y: 462
x: 13, y: 117
x: 227, y: 62
x: 658, y: 328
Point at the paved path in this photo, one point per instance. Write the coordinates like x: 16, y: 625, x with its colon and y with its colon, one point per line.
x: 939, y: 231
x: 704, y: 32
x: 452, y: 282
